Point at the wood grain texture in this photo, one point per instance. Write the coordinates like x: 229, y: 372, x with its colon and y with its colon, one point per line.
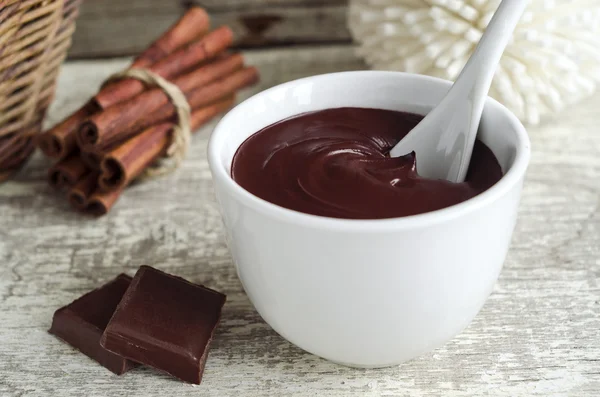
x: 536, y: 336
x: 103, y: 24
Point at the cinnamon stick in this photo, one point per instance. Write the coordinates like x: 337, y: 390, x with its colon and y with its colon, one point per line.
x: 67, y: 172
x: 100, y: 202
x: 79, y: 194
x: 106, y: 128
x: 126, y: 162
x: 193, y: 24
x: 59, y: 141
x: 118, y: 122
x: 172, y: 65
x: 91, y: 159
x: 219, y: 89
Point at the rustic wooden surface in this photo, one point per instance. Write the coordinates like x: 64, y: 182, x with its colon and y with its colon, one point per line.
x: 538, y: 334
x: 116, y: 27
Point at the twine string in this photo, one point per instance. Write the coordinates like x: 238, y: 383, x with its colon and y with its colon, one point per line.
x: 181, y: 132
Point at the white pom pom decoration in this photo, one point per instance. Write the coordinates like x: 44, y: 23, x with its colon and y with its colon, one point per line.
x: 552, y: 61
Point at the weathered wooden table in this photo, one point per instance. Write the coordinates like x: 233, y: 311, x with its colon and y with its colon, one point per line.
x: 538, y: 334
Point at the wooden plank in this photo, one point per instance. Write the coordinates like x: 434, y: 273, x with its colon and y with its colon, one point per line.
x: 115, y: 27
x: 537, y: 335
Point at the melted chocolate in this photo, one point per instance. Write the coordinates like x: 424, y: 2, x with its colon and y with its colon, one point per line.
x: 335, y: 163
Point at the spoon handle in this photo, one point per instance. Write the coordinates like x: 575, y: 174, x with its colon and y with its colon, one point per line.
x: 475, y: 79
x: 444, y: 139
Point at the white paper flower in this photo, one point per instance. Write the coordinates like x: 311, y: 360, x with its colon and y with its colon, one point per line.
x: 552, y: 61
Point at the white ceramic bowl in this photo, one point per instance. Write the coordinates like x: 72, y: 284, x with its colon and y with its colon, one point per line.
x: 367, y: 293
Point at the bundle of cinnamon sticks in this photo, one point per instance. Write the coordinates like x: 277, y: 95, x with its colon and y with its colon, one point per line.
x: 126, y: 126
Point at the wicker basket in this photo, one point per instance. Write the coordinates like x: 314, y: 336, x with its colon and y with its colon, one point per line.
x: 34, y: 38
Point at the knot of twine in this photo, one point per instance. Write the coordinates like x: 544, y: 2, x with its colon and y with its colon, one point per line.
x: 181, y: 132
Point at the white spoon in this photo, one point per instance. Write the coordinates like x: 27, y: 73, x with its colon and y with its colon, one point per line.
x: 443, y: 141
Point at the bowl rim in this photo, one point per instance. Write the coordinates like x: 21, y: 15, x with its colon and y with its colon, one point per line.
x: 512, y: 177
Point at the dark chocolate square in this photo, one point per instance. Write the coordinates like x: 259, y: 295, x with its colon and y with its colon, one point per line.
x: 165, y: 322
x: 82, y: 323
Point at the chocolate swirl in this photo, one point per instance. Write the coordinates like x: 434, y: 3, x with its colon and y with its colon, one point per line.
x: 335, y: 163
